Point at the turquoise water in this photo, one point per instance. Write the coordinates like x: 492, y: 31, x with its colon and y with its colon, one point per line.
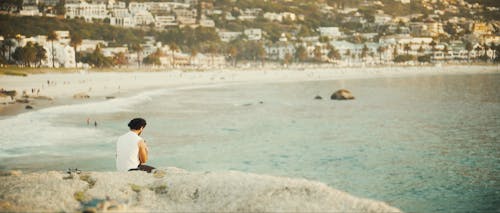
x: 420, y: 143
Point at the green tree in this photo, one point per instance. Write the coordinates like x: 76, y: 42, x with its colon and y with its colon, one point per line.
x: 41, y: 54
x: 137, y: 48
x: 380, y: 50
x: 288, y: 59
x: 212, y: 50
x: 76, y: 40
x: 9, y: 44
x: 193, y: 54
x: 153, y: 58
x: 173, y: 48
x: 469, y: 48
x: 421, y: 50
x: 317, y: 54
x: 301, y: 53
x: 334, y: 54
x: 52, y: 36
x: 364, y: 51
x: 120, y: 59
x: 261, y: 53
x: 18, y: 55
x: 407, y: 48
x: 233, y: 54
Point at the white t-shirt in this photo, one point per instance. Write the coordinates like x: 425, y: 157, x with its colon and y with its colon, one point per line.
x: 127, y: 151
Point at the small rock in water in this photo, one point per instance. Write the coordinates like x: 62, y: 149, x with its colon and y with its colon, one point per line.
x: 110, y: 97
x: 28, y: 107
x: 318, y: 97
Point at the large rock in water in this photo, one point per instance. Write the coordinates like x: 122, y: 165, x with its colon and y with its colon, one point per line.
x: 342, y: 94
x: 174, y: 190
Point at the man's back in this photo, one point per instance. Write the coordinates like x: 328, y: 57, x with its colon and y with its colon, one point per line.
x: 127, y: 151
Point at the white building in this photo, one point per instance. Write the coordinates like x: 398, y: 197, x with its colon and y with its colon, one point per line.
x: 135, y: 7
x: 29, y: 11
x: 89, y: 45
x: 253, y: 34
x: 280, y: 16
x: 381, y: 19
x: 226, y: 36
x: 331, y: 32
x: 86, y: 11
x: 279, y: 50
x: 165, y: 21
x: 143, y: 17
x: 111, y: 51
x: 207, y: 23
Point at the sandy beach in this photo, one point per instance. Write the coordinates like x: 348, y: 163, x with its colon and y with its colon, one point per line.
x: 67, y: 88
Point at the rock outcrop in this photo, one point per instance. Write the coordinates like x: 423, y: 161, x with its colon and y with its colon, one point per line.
x: 174, y: 190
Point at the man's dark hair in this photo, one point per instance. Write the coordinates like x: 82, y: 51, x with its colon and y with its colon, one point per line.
x: 137, y: 123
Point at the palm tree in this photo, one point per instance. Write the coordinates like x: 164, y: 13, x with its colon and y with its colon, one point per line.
x: 380, y: 51
x: 261, y: 53
x: 173, y: 48
x: 407, y: 48
x: 138, y: 49
x: 193, y: 54
x: 421, y: 50
x: 233, y: 53
x: 212, y: 50
x: 469, y: 48
x: 301, y: 53
x: 120, y: 59
x: 3, y: 49
x: 348, y: 54
x: 9, y: 43
x: 445, y: 51
x: 52, y: 36
x: 433, y: 45
x: 364, y: 51
x: 334, y: 53
x: 478, y: 49
x: 76, y: 40
x: 317, y: 53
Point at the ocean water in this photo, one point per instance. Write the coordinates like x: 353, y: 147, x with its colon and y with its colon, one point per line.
x: 419, y: 143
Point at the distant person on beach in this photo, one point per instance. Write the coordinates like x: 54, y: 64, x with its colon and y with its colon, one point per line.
x: 95, y: 123
x: 131, y: 149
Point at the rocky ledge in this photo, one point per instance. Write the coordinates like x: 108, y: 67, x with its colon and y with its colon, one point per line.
x: 173, y: 190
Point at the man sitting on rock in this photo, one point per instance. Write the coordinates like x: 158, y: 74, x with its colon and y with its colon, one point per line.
x: 131, y: 149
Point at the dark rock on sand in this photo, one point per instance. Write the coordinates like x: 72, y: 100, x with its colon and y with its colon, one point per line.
x: 28, y: 107
x: 342, y: 94
x: 110, y: 97
x: 318, y: 97
x: 81, y: 95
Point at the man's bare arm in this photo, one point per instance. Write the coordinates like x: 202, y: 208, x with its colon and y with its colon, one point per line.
x: 143, y: 152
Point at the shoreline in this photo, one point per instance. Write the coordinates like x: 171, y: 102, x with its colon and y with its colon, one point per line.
x: 100, y: 86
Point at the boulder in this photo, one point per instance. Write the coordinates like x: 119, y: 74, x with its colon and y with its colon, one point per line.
x: 318, y: 97
x: 28, y: 107
x: 81, y: 95
x: 342, y: 94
